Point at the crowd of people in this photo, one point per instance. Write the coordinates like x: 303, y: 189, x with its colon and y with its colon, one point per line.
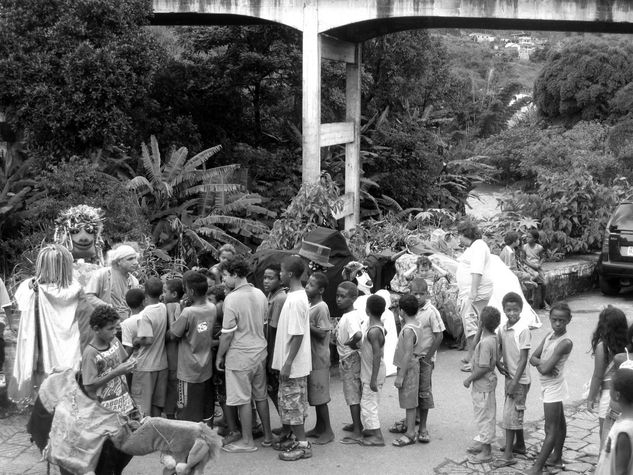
x: 177, y: 347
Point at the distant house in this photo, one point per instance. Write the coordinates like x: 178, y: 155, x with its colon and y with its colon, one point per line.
x: 482, y: 37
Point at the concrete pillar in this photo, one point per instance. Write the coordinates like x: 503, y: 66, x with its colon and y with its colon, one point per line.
x: 311, y: 111
x: 352, y: 149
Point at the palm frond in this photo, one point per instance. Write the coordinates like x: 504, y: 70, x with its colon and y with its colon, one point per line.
x: 190, y: 177
x: 210, y: 188
x: 175, y: 164
x: 249, y: 225
x: 202, y: 157
x: 197, y: 241
x: 148, y: 164
x: 139, y: 184
x: 219, y: 235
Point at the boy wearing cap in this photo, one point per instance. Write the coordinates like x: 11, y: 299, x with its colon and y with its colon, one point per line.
x: 109, y: 285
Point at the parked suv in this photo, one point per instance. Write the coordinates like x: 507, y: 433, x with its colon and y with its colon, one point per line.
x: 615, y: 265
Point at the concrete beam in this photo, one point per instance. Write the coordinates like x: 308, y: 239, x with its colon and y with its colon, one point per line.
x: 337, y: 133
x: 311, y: 83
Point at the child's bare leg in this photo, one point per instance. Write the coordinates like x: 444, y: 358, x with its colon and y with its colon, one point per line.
x: 424, y: 414
x: 561, y: 434
x: 325, y: 434
x: 507, y: 453
x: 519, y: 445
x: 410, y: 419
x: 357, y: 432
x: 552, y: 421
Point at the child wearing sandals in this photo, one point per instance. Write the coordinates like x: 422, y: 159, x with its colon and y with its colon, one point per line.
x: 616, y: 457
x: 484, y: 381
x: 515, y: 339
x: 408, y: 364
x: 549, y: 359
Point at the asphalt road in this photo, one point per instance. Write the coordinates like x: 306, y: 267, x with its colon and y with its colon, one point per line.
x: 450, y: 423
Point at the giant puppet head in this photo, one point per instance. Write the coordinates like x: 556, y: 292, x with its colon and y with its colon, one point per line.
x: 79, y: 229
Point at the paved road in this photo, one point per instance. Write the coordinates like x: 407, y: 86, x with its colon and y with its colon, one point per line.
x: 451, y: 424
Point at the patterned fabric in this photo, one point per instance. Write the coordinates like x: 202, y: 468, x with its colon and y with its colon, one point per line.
x: 293, y: 401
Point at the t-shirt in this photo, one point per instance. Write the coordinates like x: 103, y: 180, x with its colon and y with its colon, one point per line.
x: 349, y: 324
x: 486, y: 355
x: 320, y: 318
x: 109, y: 286
x: 129, y: 330
x: 398, y: 356
x: 514, y: 339
x: 275, y: 304
x: 153, y: 323
x: 533, y: 254
x: 474, y: 260
x: 195, y: 328
x: 95, y: 364
x: 171, y: 346
x: 431, y: 322
x: 294, y: 320
x: 245, y: 310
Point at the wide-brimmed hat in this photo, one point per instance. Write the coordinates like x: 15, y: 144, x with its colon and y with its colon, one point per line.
x: 316, y: 253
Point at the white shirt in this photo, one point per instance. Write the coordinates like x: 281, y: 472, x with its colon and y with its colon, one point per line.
x: 475, y: 260
x: 294, y: 320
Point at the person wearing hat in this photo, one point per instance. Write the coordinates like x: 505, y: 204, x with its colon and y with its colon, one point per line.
x: 317, y: 255
x: 108, y: 286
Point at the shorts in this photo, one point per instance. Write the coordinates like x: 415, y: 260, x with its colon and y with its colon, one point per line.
x: 293, y: 401
x: 350, y: 374
x: 408, y: 393
x: 195, y: 401
x: 244, y: 385
x: 470, y: 316
x: 553, y: 391
x: 425, y: 393
x: 319, y: 387
x: 605, y: 401
x: 514, y: 407
x: 149, y: 388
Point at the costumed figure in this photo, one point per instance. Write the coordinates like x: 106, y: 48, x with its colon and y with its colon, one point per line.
x: 318, y: 256
x: 356, y: 272
x: 79, y: 229
x: 48, y: 334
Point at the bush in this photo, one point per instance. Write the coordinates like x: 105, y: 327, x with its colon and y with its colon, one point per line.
x: 572, y: 208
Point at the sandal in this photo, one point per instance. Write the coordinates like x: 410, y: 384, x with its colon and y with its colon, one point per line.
x: 404, y: 440
x: 503, y: 463
x: 282, y: 442
x: 398, y: 428
x: 232, y: 437
x: 424, y: 437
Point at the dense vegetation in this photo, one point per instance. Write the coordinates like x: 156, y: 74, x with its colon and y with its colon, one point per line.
x: 190, y: 137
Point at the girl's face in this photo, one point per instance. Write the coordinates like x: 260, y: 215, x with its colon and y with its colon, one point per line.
x: 558, y: 320
x: 515, y: 244
x: 225, y: 256
x: 530, y: 239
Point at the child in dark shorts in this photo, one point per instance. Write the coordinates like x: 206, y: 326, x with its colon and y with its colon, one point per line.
x: 408, y: 364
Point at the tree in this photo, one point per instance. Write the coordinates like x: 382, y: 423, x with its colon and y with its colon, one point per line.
x: 75, y: 72
x: 579, y: 82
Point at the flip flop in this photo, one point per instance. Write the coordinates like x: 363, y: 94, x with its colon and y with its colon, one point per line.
x: 236, y: 449
x: 266, y: 443
x: 372, y: 443
x: 398, y: 428
x: 350, y: 441
x: 478, y: 460
x: 474, y: 449
x: 403, y: 441
x: 514, y: 450
x: 424, y: 437
x: 503, y: 463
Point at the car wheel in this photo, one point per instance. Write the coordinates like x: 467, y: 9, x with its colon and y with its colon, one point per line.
x: 609, y: 286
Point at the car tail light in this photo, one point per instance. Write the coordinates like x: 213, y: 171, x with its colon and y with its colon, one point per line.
x: 605, y: 243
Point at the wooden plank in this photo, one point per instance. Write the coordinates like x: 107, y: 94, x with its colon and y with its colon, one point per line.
x: 352, y: 150
x: 311, y: 83
x: 337, y: 50
x: 348, y: 206
x: 337, y: 133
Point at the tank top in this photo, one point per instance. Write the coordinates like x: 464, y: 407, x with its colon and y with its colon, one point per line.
x: 549, y: 347
x: 417, y: 345
x: 366, y: 359
x: 606, y: 463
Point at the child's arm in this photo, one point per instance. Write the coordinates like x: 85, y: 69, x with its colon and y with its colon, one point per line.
x: 523, y: 358
x: 319, y: 333
x: 599, y: 368
x: 439, y: 270
x: 377, y: 340
x: 353, y: 341
x: 437, y: 340
x: 622, y: 454
x: 548, y: 367
x: 120, y: 370
x: 128, y: 349
x: 407, y: 343
x: 478, y: 372
x: 294, y: 345
x: 535, y: 360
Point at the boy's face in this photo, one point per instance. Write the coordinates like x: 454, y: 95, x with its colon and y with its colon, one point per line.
x: 225, y: 256
x: 513, y: 312
x: 343, y: 300
x: 212, y: 299
x: 228, y: 280
x: 420, y: 293
x: 312, y: 288
x: 271, y: 280
x: 107, y: 332
x: 515, y: 244
x: 168, y: 295
x: 559, y: 319
x: 285, y: 276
